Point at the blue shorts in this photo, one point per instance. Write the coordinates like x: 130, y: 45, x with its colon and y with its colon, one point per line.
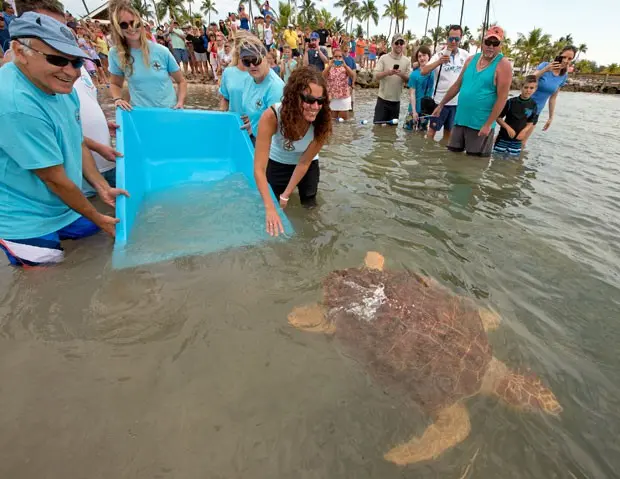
x: 508, y: 147
x: 372, y: 56
x: 180, y: 55
x: 445, y: 119
x: 46, y: 250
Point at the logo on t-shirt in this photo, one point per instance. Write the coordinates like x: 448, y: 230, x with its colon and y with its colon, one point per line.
x: 288, y: 145
x: 528, y: 112
x: 259, y: 103
x: 156, y: 66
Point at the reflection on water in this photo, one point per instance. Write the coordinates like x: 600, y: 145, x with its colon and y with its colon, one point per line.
x: 187, y: 368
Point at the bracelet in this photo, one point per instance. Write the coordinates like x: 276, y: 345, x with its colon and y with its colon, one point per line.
x: 283, y: 198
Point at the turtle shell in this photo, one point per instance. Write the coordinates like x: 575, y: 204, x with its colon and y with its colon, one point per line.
x: 410, y: 333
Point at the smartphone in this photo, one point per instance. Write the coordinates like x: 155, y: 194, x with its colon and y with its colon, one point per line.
x: 558, y: 59
x: 396, y: 66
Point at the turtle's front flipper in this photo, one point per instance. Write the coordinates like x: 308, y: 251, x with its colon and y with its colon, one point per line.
x: 490, y: 319
x: 374, y: 260
x: 310, y: 318
x: 451, y: 426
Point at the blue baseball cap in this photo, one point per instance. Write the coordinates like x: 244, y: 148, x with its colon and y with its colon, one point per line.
x: 48, y: 30
x: 314, y: 36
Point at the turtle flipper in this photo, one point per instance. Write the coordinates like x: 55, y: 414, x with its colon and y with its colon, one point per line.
x: 451, y: 427
x: 490, y: 319
x: 310, y: 318
x: 374, y: 260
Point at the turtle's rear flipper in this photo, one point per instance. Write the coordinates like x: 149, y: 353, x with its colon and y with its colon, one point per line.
x: 310, y: 318
x: 374, y: 260
x: 451, y: 426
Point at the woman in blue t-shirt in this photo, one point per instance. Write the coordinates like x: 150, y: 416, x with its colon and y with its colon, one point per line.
x: 552, y: 76
x: 290, y: 137
x: 148, y: 67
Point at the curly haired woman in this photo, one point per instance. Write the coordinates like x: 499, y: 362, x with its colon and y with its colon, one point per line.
x: 290, y: 136
x: 147, y: 66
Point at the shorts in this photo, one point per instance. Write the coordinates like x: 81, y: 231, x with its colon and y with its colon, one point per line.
x: 445, y: 118
x: 340, y: 104
x: 201, y: 57
x: 279, y: 174
x: 466, y: 139
x: 46, y: 250
x: 386, y: 110
x: 372, y: 56
x: 180, y: 55
x: 508, y: 146
x: 97, y: 62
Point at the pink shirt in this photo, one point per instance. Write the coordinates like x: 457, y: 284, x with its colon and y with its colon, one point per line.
x: 338, y: 83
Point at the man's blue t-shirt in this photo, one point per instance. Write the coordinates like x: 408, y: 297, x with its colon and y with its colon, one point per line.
x: 350, y: 62
x: 152, y: 86
x: 38, y: 131
x: 548, y: 84
x: 423, y: 85
x: 257, y: 97
x: 314, y: 58
x: 231, y: 87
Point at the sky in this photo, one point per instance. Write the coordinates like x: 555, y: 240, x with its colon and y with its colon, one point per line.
x: 590, y: 23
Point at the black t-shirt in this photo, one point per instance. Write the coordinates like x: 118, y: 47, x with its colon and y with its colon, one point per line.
x: 518, y: 113
x: 197, y: 43
x: 323, y: 34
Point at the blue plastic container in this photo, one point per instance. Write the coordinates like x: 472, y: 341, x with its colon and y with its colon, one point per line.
x: 195, y: 163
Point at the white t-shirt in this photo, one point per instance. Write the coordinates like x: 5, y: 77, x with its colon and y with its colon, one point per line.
x: 449, y: 73
x: 268, y: 35
x: 94, y: 123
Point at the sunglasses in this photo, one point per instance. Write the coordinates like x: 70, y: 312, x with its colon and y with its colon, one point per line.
x: 251, y: 61
x: 399, y: 43
x: 57, y: 60
x: 135, y: 25
x: 454, y: 39
x: 310, y: 100
x: 492, y: 43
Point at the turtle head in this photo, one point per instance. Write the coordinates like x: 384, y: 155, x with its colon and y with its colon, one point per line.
x: 310, y: 318
x: 521, y: 391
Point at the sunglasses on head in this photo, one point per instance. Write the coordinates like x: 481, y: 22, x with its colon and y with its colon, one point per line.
x: 57, y: 60
x: 251, y: 61
x: 135, y: 25
x: 399, y: 42
x: 310, y: 100
x: 492, y: 42
x: 454, y: 39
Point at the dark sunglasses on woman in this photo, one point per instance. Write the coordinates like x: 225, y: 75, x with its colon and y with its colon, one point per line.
x: 492, y: 43
x: 310, y: 100
x: 251, y: 61
x: 57, y: 60
x: 135, y: 25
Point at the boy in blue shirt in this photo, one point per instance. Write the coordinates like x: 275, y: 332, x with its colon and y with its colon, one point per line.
x: 420, y: 86
x: 517, y: 120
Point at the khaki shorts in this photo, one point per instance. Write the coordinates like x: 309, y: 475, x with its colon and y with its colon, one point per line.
x: 466, y: 139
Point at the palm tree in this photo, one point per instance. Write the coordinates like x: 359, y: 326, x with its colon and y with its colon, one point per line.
x: 467, y: 38
x: 428, y: 5
x: 530, y: 46
x: 369, y: 10
x: 284, y: 16
x: 349, y: 9
x: 308, y: 12
x: 142, y: 8
x: 583, y: 48
x: 436, y: 34
x: 391, y: 11
x: 172, y: 8
x: 207, y: 7
x: 401, y: 15
x: 197, y: 19
x: 359, y: 31
x: 327, y: 17
x: 612, y: 68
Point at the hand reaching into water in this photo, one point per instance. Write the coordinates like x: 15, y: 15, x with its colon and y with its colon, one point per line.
x: 246, y: 124
x: 548, y: 124
x: 273, y: 222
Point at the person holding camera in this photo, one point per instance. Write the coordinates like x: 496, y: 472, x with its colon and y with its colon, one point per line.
x: 447, y: 65
x: 315, y: 55
x: 392, y: 71
x: 337, y: 75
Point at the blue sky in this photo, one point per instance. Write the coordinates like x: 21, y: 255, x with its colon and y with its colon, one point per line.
x: 588, y: 23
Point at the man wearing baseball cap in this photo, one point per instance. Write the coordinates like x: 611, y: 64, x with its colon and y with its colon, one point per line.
x: 41, y: 147
x: 315, y: 55
x: 392, y: 71
x: 483, y: 88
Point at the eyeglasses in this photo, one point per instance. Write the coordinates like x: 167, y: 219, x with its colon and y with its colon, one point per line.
x: 251, y: 61
x: 135, y: 25
x: 454, y: 39
x: 399, y: 43
x: 310, y: 100
x: 492, y: 43
x: 57, y: 60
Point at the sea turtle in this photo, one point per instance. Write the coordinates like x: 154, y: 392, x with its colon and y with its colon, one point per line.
x: 413, y: 333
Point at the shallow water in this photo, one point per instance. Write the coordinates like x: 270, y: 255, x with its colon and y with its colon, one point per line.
x: 187, y: 368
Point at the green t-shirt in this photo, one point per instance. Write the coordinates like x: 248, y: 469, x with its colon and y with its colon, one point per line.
x: 177, y: 41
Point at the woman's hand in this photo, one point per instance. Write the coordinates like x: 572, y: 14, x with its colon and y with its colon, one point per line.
x: 246, y: 124
x: 414, y: 115
x: 122, y: 104
x: 548, y: 124
x: 178, y: 106
x: 273, y: 222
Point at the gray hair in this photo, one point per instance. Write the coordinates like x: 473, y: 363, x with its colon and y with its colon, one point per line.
x: 24, y: 42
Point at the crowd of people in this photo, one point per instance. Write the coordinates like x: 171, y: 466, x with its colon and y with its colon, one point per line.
x: 287, y: 89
